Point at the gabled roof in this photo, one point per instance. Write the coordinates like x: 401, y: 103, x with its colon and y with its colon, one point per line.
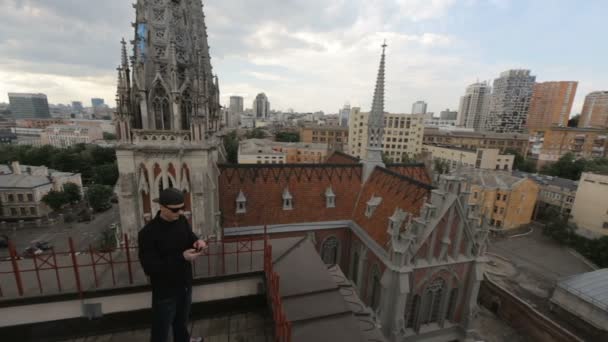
x: 416, y: 171
x: 22, y: 181
x: 590, y: 286
x: 338, y: 157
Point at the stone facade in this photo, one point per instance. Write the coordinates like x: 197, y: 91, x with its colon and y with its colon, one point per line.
x: 167, y: 115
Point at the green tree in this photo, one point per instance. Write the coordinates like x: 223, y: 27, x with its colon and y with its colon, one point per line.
x: 520, y: 162
x: 573, y: 122
x: 566, y: 167
x: 287, y: 137
x: 231, y: 145
x: 55, y: 199
x: 109, y: 136
x: 106, y: 174
x: 441, y: 166
x: 99, y: 196
x: 256, y: 133
x: 72, y: 192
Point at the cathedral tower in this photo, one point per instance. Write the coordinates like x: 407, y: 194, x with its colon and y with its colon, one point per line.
x: 168, y: 112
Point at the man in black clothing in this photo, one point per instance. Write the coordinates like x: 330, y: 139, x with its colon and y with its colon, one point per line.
x: 167, y: 247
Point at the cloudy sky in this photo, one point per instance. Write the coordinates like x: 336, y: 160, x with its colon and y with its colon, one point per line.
x: 314, y: 55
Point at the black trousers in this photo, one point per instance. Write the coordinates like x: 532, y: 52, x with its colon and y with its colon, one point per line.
x: 171, y: 312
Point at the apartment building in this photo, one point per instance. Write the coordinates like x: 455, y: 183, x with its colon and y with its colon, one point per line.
x: 264, y: 151
x: 475, y: 140
x: 549, y: 144
x: 595, y: 111
x: 506, y: 201
x: 590, y: 209
x: 402, y: 135
x: 335, y: 136
x: 63, y: 136
x: 551, y: 104
x: 555, y: 192
x: 481, y: 158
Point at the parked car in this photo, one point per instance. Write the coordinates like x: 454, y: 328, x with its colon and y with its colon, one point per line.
x: 31, y: 251
x: 43, y: 245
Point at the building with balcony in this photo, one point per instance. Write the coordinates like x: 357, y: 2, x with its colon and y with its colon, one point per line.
x: 402, y: 135
x: 549, y: 144
x: 481, y: 158
x: 474, y: 140
x: 336, y: 137
x: 506, y: 201
x: 590, y: 209
x: 509, y: 102
x: 551, y: 104
x: 595, y: 111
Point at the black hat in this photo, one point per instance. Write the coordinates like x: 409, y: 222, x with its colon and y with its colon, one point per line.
x: 170, y: 196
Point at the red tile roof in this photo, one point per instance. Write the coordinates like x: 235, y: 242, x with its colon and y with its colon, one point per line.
x: 417, y: 171
x: 338, y: 157
x: 263, y: 186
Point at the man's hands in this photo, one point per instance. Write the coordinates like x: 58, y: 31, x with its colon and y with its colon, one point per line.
x: 193, y: 253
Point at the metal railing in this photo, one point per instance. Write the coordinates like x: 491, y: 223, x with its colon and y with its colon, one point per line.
x: 281, y: 325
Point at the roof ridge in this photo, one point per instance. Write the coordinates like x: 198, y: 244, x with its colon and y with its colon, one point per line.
x: 406, y: 178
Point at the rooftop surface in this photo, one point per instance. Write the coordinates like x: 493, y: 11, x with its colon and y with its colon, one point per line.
x: 591, y: 286
x: 548, y: 180
x: 22, y: 181
x: 490, y: 178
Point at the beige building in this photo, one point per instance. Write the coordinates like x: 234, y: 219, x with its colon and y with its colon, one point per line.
x: 482, y: 158
x: 590, y: 210
x: 550, y: 144
x: 335, y: 136
x: 67, y: 135
x: 555, y: 193
x: 263, y: 151
x: 22, y: 188
x: 474, y: 140
x: 402, y: 135
x: 505, y: 200
x: 595, y: 111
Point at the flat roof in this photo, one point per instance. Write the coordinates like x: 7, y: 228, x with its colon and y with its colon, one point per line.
x: 590, y: 286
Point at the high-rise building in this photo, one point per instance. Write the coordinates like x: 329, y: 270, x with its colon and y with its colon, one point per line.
x: 448, y: 114
x: 419, y: 107
x: 236, y: 104
x: 474, y: 105
x: 344, y: 114
x: 510, y: 102
x: 25, y: 105
x: 551, y: 104
x: 595, y: 111
x: 97, y: 103
x: 261, y: 106
x: 77, y: 107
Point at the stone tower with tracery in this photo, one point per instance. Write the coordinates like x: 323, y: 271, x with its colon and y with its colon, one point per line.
x: 168, y: 114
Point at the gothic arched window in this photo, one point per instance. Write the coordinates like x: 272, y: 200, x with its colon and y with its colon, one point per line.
x: 160, y: 108
x: 374, y: 288
x: 433, y: 297
x: 355, y: 268
x: 412, y: 308
x: 186, y: 109
x: 329, y: 251
x: 450, y: 312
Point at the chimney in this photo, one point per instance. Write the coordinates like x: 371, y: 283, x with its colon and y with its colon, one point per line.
x: 16, y: 168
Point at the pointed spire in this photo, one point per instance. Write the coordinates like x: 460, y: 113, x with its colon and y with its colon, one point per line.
x: 124, y: 59
x: 375, y: 124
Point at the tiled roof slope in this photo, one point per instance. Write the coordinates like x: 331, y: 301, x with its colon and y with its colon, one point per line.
x: 416, y: 171
x: 338, y: 157
x: 263, y: 187
x: 396, y: 191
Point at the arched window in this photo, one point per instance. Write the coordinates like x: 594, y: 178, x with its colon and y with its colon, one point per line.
x: 329, y: 250
x: 160, y: 108
x: 411, y: 310
x: 374, y: 288
x: 186, y: 109
x: 433, y: 296
x: 449, y: 313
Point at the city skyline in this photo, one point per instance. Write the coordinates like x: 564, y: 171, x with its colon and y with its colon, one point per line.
x: 299, y: 53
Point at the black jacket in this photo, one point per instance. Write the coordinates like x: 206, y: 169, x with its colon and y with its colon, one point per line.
x: 161, y: 244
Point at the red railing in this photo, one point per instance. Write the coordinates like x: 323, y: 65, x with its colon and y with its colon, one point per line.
x: 89, y: 270
x: 282, y: 326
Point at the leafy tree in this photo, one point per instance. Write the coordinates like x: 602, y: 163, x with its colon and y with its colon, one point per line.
x: 386, y: 159
x: 520, y: 162
x: 287, y: 137
x: 573, y: 122
x: 55, y: 199
x: 231, y: 145
x: 72, y: 192
x: 109, y: 136
x: 441, y: 166
x: 256, y: 133
x: 99, y: 196
x: 106, y: 174
x: 566, y: 167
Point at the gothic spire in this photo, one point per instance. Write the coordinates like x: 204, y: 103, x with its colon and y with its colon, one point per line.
x: 375, y: 123
x: 124, y: 59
